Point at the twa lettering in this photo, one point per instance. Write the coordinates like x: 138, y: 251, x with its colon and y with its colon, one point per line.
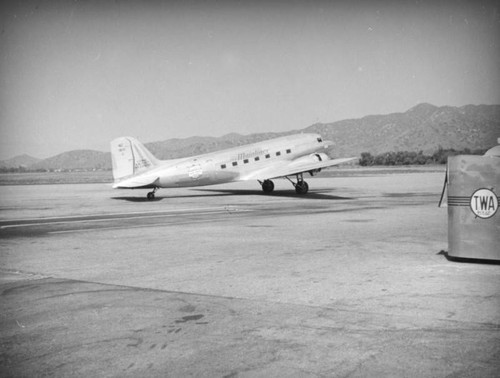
x: 484, y: 203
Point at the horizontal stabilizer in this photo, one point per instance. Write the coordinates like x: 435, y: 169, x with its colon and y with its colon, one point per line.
x: 138, y: 182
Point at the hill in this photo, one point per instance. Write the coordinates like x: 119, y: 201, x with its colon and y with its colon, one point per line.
x: 75, y: 160
x: 178, y: 148
x: 424, y: 127
x: 19, y: 161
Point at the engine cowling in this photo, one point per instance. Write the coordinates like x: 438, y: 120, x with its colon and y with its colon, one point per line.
x: 317, y: 158
x: 311, y: 159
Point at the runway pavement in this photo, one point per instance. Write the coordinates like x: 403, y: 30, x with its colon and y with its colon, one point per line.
x: 225, y: 281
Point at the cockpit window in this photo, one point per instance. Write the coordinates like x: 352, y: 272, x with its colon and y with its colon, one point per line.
x: 319, y: 140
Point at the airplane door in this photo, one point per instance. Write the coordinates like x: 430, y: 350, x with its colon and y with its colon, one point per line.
x: 210, y: 171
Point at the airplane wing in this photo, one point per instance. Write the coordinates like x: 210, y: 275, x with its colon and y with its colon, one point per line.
x: 290, y: 168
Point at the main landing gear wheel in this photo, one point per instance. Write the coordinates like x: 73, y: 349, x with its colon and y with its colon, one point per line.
x: 301, y: 187
x: 268, y: 186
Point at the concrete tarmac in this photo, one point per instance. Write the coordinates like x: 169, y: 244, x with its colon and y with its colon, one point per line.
x: 349, y: 281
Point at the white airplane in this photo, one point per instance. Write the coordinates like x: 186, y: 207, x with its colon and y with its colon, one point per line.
x: 134, y: 167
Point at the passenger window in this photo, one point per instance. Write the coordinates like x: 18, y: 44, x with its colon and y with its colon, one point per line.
x: 235, y: 163
x: 278, y: 153
x: 245, y: 161
x: 268, y: 156
x: 288, y: 151
x: 257, y: 158
x: 223, y: 166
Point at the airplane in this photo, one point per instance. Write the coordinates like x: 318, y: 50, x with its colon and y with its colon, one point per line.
x: 134, y: 167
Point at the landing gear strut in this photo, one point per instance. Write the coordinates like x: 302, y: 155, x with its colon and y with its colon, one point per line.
x: 151, y: 195
x: 301, y: 187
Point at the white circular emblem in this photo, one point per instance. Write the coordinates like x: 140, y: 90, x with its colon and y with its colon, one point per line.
x: 195, y: 171
x: 484, y: 203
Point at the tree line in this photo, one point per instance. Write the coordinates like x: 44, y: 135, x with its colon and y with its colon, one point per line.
x: 414, y: 158
x: 20, y: 169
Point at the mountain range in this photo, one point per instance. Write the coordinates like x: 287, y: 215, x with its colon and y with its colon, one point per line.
x: 19, y: 161
x: 424, y: 127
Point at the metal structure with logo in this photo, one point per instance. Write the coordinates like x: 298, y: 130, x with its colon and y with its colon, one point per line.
x: 473, y: 187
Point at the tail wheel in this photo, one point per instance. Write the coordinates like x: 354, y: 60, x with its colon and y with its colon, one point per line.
x: 268, y: 186
x: 151, y: 195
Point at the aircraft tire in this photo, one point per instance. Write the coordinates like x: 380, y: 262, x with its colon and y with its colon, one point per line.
x: 268, y: 186
x: 151, y: 196
x: 302, y: 187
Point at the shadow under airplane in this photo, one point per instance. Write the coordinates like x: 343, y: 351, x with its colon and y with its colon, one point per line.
x: 312, y: 195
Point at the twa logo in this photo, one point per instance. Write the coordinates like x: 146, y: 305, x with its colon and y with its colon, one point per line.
x: 484, y: 203
x: 195, y: 171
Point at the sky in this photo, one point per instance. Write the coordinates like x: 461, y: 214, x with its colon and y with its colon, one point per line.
x: 76, y: 74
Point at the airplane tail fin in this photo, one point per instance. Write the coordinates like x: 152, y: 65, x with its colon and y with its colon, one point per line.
x: 130, y: 157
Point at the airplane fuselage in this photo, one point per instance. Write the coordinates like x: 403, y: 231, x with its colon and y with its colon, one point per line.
x: 134, y: 167
x: 232, y: 164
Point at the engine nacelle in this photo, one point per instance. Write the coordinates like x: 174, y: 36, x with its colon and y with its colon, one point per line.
x: 311, y: 159
x: 319, y: 156
x: 316, y: 158
x: 315, y: 171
